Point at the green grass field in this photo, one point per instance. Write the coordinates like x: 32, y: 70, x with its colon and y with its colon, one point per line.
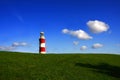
x: 23, y: 66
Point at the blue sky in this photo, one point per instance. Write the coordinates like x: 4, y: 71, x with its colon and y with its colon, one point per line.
x: 21, y: 22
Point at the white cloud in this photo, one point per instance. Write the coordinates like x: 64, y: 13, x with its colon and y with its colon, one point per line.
x: 83, y: 47
x: 16, y: 44
x: 65, y: 31
x: 78, y: 33
x: 13, y: 46
x: 97, y: 45
x: 75, y: 42
x: 97, y: 26
x: 23, y: 44
x: 3, y: 48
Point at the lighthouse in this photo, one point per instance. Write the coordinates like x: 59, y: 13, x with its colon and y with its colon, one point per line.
x: 42, y: 48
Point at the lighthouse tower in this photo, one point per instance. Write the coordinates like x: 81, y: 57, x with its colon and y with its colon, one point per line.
x: 42, y: 48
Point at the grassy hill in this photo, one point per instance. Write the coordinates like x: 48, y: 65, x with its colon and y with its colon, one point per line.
x: 21, y: 66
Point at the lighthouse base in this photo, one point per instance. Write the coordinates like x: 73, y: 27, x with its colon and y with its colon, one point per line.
x: 42, y: 52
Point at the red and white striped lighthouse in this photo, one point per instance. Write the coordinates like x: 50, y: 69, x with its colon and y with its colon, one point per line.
x: 42, y: 48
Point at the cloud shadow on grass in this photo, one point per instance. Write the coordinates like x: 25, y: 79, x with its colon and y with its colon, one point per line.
x: 103, y: 68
